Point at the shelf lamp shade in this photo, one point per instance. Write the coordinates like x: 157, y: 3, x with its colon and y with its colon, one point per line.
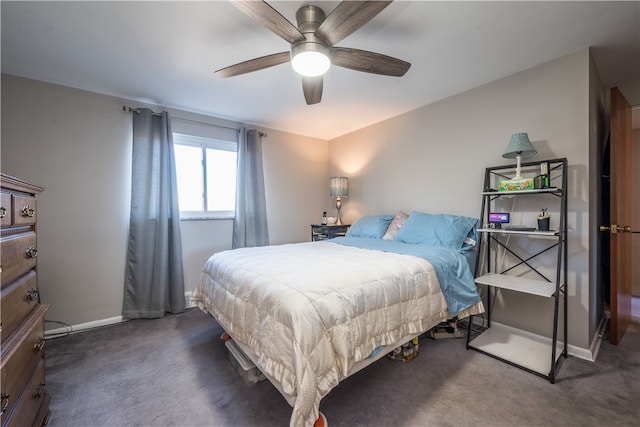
x: 519, y: 147
x: 338, y: 188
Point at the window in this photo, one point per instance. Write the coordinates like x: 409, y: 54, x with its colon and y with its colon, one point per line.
x: 206, y: 171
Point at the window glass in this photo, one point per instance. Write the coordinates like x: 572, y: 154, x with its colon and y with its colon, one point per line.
x: 190, y: 177
x: 221, y: 170
x: 206, y: 172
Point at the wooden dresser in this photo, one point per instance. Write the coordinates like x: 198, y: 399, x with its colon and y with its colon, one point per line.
x: 22, y: 383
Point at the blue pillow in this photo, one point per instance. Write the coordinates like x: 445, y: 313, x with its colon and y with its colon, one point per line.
x: 436, y: 229
x: 372, y: 226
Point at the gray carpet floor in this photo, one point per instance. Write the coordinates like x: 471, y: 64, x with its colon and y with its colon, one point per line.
x: 175, y: 371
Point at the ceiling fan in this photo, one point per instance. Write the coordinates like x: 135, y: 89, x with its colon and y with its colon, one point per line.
x: 314, y: 40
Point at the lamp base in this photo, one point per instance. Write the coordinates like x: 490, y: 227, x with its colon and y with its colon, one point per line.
x: 338, y: 204
x: 518, y: 168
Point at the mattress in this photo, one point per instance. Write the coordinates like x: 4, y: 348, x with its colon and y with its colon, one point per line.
x: 309, y: 314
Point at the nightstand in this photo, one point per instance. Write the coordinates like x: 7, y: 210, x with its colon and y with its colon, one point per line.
x: 323, y: 232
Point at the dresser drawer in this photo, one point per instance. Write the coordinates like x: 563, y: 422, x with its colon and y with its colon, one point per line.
x: 26, y: 410
x: 24, y: 209
x: 5, y: 209
x: 19, y: 254
x: 21, y: 354
x: 19, y: 298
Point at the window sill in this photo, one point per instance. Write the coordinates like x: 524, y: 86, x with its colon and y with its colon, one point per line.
x: 205, y: 218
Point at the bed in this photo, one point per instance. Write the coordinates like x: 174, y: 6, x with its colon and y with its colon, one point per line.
x: 311, y: 314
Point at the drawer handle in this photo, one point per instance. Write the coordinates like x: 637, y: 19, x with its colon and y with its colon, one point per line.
x: 31, y: 295
x: 31, y: 252
x: 5, y: 402
x: 28, y: 211
x: 38, y: 345
x: 40, y: 390
x: 3, y: 211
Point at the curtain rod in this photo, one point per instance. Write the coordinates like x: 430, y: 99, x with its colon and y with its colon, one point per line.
x: 128, y: 109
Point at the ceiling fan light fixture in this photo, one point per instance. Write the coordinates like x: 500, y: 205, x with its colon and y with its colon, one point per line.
x: 311, y: 64
x: 310, y: 59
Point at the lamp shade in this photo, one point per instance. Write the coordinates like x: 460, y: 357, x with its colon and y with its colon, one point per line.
x: 339, y: 186
x: 519, y: 146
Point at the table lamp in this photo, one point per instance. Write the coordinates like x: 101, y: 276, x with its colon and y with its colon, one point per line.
x: 338, y: 188
x: 519, y: 147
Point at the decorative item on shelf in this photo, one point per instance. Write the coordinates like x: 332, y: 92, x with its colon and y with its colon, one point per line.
x: 543, y: 220
x: 324, y: 218
x: 542, y: 180
x: 338, y: 188
x: 519, y: 147
x: 516, y: 184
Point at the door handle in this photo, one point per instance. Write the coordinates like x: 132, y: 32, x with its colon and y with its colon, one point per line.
x: 614, y: 228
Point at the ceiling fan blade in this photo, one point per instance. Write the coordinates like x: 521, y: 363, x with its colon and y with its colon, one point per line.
x: 270, y: 18
x: 369, y: 62
x: 347, y: 17
x: 254, y: 64
x: 312, y: 88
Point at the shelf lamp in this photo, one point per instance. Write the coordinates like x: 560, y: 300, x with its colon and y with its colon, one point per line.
x: 519, y: 147
x: 338, y: 188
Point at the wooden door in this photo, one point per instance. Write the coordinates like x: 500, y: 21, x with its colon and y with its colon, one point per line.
x: 620, y: 209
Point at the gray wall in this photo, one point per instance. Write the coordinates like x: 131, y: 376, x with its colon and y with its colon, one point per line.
x: 433, y: 159
x: 77, y: 145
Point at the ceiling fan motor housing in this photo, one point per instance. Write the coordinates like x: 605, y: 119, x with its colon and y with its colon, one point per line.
x: 308, y: 19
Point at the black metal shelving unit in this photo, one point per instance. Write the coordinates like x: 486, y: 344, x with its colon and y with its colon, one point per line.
x: 533, y: 353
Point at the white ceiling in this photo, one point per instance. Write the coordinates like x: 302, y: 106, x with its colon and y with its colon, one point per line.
x: 165, y: 53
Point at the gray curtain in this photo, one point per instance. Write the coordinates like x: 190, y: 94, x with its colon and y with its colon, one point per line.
x: 250, y: 221
x: 154, y: 281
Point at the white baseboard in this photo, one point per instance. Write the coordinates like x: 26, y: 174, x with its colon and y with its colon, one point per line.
x: 591, y: 353
x: 582, y: 353
x: 82, y: 327
x: 98, y: 323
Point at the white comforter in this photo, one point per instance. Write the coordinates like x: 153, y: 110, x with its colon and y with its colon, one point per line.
x: 310, y: 311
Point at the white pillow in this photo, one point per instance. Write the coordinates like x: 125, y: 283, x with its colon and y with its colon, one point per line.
x: 395, y: 225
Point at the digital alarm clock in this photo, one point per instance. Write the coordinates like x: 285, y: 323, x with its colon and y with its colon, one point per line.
x: 496, y: 219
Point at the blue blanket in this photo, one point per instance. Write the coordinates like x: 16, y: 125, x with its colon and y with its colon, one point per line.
x: 452, y: 268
